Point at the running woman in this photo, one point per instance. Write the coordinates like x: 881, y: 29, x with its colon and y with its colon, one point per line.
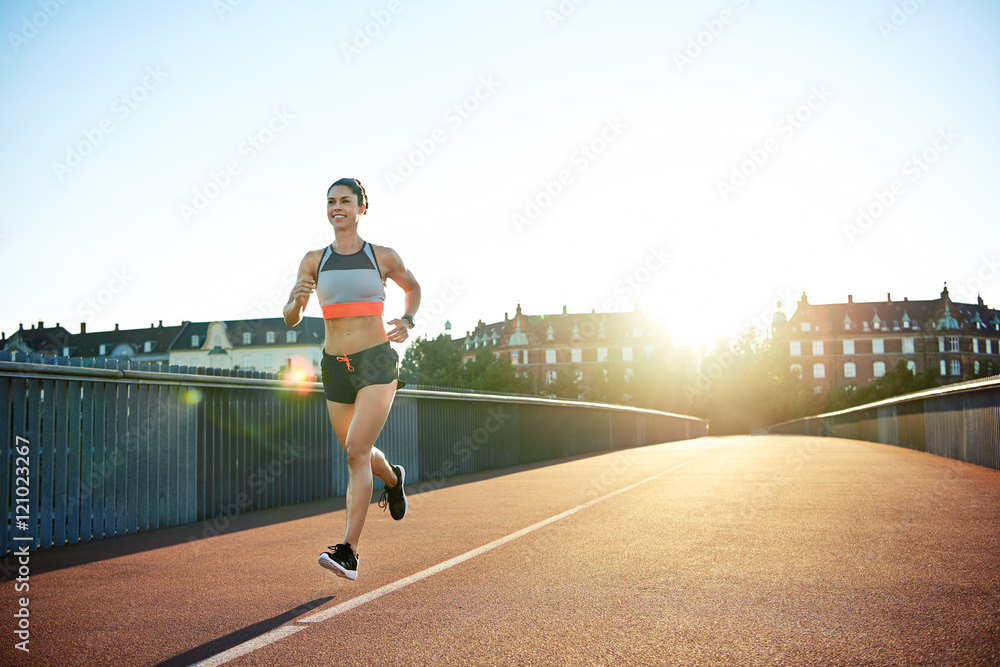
x: 360, y: 368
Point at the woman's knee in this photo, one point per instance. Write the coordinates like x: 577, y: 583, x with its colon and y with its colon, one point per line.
x: 359, y: 453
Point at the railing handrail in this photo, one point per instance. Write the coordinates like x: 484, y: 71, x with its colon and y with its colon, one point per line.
x: 67, y: 372
x: 957, y: 388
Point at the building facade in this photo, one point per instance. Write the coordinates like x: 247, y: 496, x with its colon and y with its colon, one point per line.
x: 539, y: 346
x: 267, y: 345
x: 842, y: 344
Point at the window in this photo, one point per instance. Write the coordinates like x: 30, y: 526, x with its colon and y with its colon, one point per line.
x: 602, y: 354
x: 895, y: 325
x: 849, y: 347
x: 878, y: 346
x: 911, y: 366
x: 878, y: 369
x: 218, y: 341
x: 908, y: 345
x: 290, y: 336
x: 850, y: 370
x: 194, y: 341
x: 626, y: 354
x: 268, y: 362
x: 795, y: 348
x: 550, y: 377
x: 147, y: 346
x: 103, y: 350
x: 550, y: 356
x: 866, y: 328
x: 245, y: 364
x: 817, y: 347
x: 953, y: 344
x: 514, y: 356
x: 956, y: 367
x: 941, y: 344
x: 975, y: 345
x: 975, y: 367
x: 944, y: 368
x: 246, y: 338
x: 819, y: 371
x: 989, y: 346
x: 576, y: 355
x: 270, y: 336
x: 797, y: 370
x: 805, y: 327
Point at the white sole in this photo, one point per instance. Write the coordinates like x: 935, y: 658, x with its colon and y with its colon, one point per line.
x: 328, y: 563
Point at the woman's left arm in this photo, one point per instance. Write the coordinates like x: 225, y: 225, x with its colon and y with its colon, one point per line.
x: 397, y: 272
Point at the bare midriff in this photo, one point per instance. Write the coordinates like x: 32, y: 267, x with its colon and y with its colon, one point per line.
x: 350, y: 335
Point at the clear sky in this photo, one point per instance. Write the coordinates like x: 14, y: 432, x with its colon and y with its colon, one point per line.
x: 169, y: 161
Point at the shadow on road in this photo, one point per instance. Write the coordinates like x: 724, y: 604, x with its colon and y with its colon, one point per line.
x: 227, y: 642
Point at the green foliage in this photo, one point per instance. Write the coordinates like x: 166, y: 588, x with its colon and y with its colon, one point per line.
x: 746, y: 384
x: 486, y: 372
x: 607, y: 384
x: 438, y: 362
x: 900, y: 380
x: 566, y: 384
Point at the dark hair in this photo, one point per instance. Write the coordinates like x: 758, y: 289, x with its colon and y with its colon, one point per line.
x: 354, y: 185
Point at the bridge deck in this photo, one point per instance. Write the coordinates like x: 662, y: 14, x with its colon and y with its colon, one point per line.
x: 777, y: 549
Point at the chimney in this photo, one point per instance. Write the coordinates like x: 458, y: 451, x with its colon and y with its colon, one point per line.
x: 564, y: 311
x: 41, y: 325
x: 850, y: 298
x: 888, y: 297
x: 116, y: 326
x: 83, y: 327
x: 161, y: 324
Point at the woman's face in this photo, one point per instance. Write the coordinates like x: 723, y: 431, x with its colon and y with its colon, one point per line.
x: 342, y: 207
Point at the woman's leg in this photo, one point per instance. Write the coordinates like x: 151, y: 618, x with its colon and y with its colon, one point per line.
x: 370, y: 411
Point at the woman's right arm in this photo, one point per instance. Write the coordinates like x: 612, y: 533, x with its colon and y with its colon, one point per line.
x: 305, y: 283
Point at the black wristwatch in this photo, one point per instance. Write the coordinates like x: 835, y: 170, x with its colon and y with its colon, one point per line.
x: 408, y: 318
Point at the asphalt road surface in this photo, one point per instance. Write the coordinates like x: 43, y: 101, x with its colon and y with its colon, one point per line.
x: 736, y: 551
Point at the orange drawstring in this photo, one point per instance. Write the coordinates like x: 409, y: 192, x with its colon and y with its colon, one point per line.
x: 346, y: 360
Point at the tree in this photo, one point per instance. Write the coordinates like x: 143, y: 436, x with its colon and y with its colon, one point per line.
x: 488, y: 373
x: 436, y: 362
x: 898, y: 381
x: 566, y: 383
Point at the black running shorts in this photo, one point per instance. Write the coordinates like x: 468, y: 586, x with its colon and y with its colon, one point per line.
x: 345, y: 375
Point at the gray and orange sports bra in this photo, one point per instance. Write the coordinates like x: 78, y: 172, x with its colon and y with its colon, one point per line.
x: 350, y: 285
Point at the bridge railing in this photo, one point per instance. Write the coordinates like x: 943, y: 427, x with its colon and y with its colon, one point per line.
x: 960, y: 421
x: 97, y: 448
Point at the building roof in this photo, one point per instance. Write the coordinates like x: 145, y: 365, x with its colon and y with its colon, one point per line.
x: 567, y: 329
x: 160, y: 337
x: 934, y: 314
x: 311, y: 331
x: 40, y: 340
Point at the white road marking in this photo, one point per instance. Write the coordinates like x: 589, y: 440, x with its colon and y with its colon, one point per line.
x: 326, y: 614
x: 250, y: 646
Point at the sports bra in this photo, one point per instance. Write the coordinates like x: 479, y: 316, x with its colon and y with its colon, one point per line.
x: 350, y: 285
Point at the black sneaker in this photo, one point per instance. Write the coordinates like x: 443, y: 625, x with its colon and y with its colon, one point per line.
x: 341, y: 561
x: 395, y: 498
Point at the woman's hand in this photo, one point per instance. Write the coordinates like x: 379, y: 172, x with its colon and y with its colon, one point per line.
x: 400, y: 332
x: 302, y: 291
